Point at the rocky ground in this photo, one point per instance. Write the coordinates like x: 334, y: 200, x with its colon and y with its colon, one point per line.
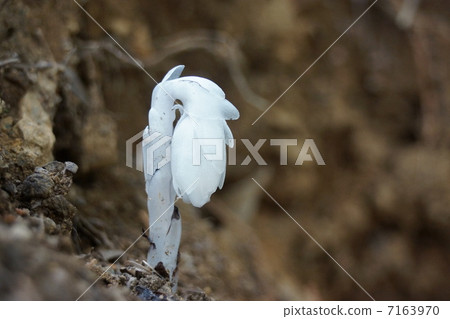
x: 376, y: 105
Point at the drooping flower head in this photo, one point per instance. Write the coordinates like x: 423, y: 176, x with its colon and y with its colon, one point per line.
x: 198, y: 149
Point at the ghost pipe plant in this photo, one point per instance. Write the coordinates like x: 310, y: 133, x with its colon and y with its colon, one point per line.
x: 171, y: 165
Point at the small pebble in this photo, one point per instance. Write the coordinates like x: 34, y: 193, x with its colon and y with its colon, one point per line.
x: 23, y: 211
x: 71, y: 167
x: 10, y: 188
x: 37, y: 186
x: 50, y: 226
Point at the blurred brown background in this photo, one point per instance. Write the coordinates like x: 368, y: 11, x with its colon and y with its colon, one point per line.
x: 376, y: 105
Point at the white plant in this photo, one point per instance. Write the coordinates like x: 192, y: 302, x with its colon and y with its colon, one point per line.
x: 172, y: 170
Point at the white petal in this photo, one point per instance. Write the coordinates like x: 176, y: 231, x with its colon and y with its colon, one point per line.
x: 228, y: 135
x: 174, y: 73
x: 198, y: 101
x: 207, y: 176
x: 208, y: 85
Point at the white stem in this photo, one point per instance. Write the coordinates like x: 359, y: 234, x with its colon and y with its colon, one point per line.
x: 164, y: 219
